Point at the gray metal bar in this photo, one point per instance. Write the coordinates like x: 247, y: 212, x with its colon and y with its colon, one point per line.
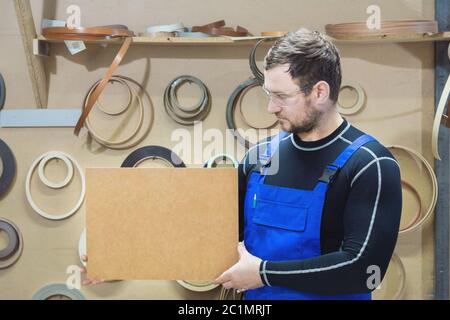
x: 441, y: 289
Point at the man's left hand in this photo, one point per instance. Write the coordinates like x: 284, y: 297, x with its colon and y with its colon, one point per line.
x: 244, y: 275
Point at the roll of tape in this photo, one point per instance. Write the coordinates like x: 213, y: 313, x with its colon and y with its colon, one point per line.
x: 54, y: 290
x: 82, y: 250
x: 9, y: 167
x: 30, y: 197
x: 152, y: 152
x: 43, y: 163
x: 166, y: 28
x: 2, y: 92
x: 360, y: 101
x: 198, y: 286
x: 13, y: 251
x: 212, y: 163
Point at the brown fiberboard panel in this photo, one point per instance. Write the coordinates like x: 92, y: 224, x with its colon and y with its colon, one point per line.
x: 161, y: 223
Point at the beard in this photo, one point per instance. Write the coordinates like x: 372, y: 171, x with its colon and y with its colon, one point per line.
x: 308, y: 123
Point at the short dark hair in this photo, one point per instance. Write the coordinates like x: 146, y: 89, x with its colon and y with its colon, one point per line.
x: 311, y: 58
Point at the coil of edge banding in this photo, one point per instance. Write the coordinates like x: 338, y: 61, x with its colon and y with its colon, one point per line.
x: 440, y: 118
x: 152, y: 152
x: 134, y: 100
x: 360, y: 101
x: 212, y: 163
x: 13, y: 251
x: 231, y: 107
x: 43, y: 163
x: 252, y: 59
x: 225, y: 294
x: 59, y: 289
x: 47, y: 156
x: 416, y: 217
x: 395, y: 265
x: 2, y: 92
x: 9, y: 167
x: 241, y: 112
x: 434, y: 187
x: 180, y: 114
x: 395, y: 27
x: 197, y: 286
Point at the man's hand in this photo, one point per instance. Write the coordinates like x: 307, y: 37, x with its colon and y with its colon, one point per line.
x: 244, y: 275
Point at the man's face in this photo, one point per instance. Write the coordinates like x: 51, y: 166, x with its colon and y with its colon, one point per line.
x: 296, y: 112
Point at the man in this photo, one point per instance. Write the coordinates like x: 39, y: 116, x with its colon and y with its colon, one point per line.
x: 325, y: 225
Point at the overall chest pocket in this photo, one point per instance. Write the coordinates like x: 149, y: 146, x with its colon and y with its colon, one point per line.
x: 280, y: 216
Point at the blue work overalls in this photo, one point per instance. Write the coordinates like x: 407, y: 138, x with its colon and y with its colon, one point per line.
x: 284, y: 223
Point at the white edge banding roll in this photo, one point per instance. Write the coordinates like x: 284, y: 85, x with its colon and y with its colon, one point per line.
x: 438, y: 118
x: 360, y: 102
x: 213, y: 161
x: 28, y: 188
x: 41, y: 170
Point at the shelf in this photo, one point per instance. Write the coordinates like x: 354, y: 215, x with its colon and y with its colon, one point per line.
x: 40, y: 45
x: 400, y: 38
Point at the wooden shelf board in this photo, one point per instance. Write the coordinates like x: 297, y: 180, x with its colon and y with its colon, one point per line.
x: 427, y: 37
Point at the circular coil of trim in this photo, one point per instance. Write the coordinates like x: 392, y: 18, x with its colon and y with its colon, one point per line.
x: 182, y: 115
x: 252, y: 59
x: 417, y: 213
x: 2, y: 92
x: 153, y: 152
x: 424, y: 216
x: 232, y: 103
x: 58, y: 290
x: 69, y: 161
x: 9, y: 168
x: 360, y: 101
x: 13, y: 251
x: 197, y: 286
x: 212, y: 162
x: 396, y: 271
x: 136, y: 94
x: 359, y: 29
x: 241, y: 111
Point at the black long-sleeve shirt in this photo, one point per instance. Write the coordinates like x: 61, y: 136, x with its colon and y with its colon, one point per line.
x: 360, y: 219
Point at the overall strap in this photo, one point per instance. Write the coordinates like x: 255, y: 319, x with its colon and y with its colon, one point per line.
x: 271, y: 148
x: 332, y: 169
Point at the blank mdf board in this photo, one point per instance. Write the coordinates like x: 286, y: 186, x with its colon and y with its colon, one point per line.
x: 161, y: 223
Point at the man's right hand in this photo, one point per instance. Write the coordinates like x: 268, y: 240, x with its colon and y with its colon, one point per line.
x: 87, y: 282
